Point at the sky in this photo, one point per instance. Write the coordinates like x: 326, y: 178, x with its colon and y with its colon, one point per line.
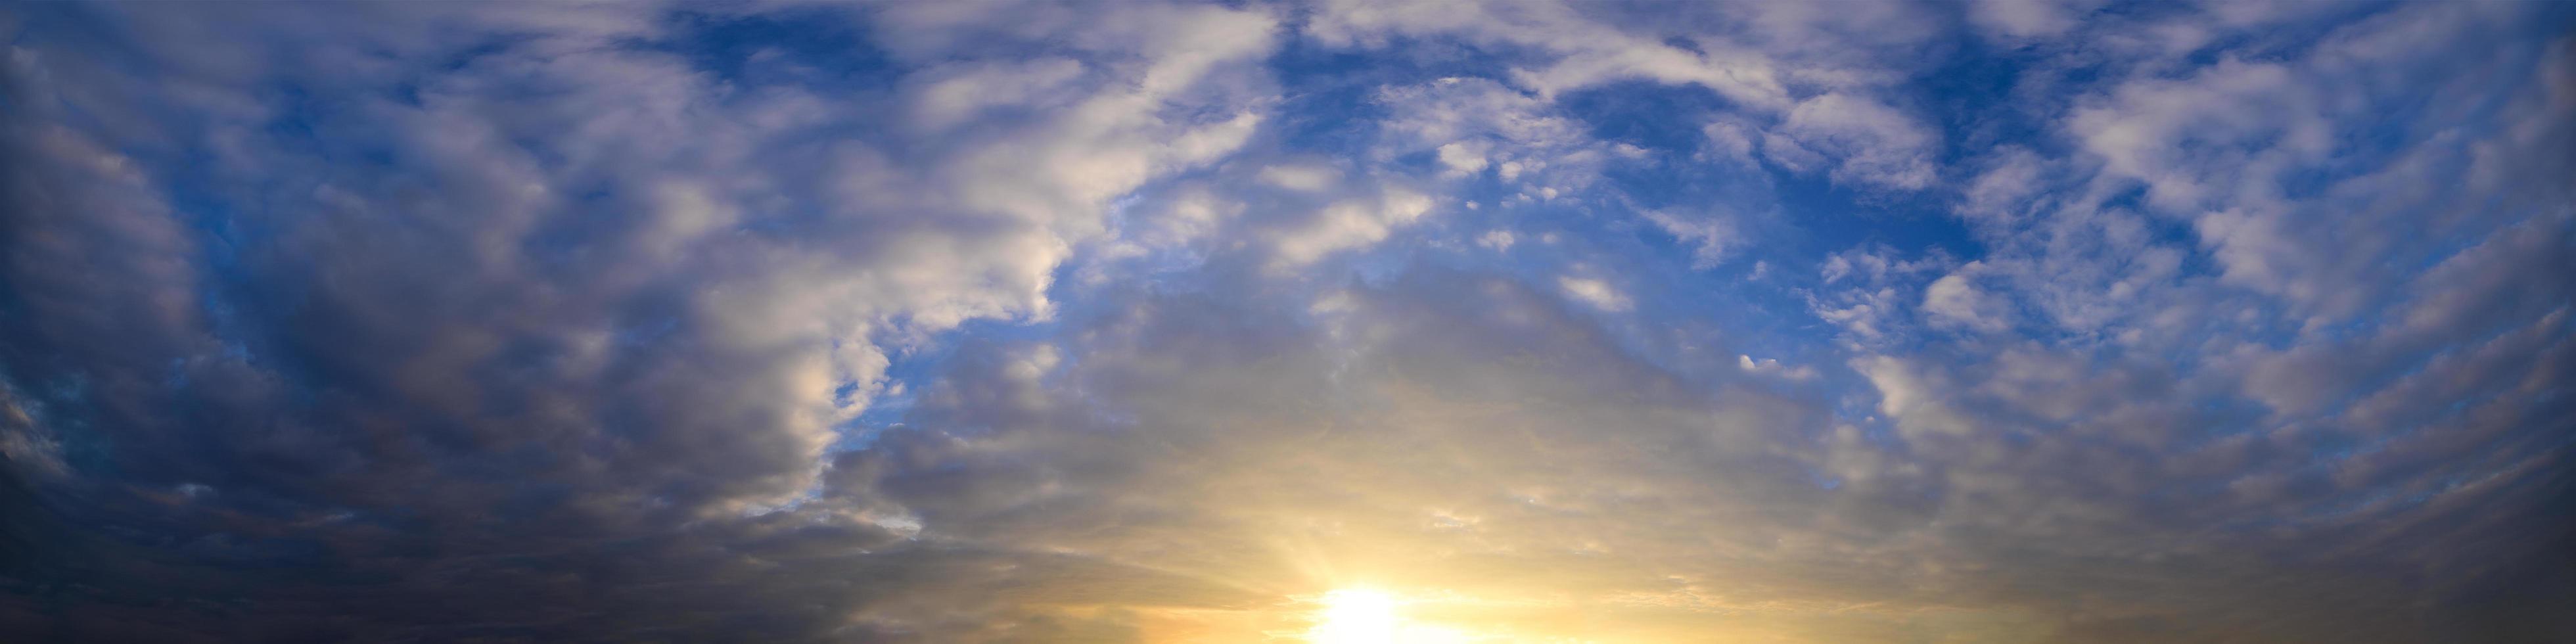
x: 1257, y: 321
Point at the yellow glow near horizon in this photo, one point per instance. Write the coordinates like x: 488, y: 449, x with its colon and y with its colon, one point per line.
x: 1355, y: 616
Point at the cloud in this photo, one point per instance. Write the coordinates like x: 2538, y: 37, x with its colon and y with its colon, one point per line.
x: 1955, y: 300
x: 1711, y: 236
x: 1470, y: 124
x: 1349, y: 224
x: 974, y: 88
x: 652, y: 297
x: 1303, y: 178
x: 2016, y: 19
x: 1587, y: 52
x: 1148, y: 322
x: 1864, y: 142
x: 1773, y: 366
x: 1599, y: 294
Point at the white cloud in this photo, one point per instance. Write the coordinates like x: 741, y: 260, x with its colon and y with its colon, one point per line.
x: 1731, y: 141
x: 2021, y: 19
x: 1348, y: 224
x: 1999, y: 194
x: 1772, y: 367
x: 1307, y: 178
x: 1710, y: 236
x: 1955, y: 300
x: 1588, y: 53
x: 2145, y: 130
x: 1917, y: 400
x: 1471, y: 124
x: 1599, y: 294
x: 1866, y: 141
x: 1463, y: 158
x: 961, y: 92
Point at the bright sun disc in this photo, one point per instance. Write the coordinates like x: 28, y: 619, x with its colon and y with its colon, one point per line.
x: 1355, y: 616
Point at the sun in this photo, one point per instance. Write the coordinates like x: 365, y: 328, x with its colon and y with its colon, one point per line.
x: 1355, y: 616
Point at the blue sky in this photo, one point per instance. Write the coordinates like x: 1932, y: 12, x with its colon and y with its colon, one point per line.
x: 1618, y: 322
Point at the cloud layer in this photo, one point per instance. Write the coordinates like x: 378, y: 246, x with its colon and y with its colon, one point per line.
x: 2007, y: 322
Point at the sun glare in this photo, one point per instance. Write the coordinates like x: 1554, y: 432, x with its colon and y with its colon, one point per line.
x: 1355, y: 616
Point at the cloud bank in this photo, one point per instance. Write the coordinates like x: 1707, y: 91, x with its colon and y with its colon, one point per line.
x: 2076, y: 322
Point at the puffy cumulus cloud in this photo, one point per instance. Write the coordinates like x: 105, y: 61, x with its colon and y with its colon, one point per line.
x: 1123, y: 322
